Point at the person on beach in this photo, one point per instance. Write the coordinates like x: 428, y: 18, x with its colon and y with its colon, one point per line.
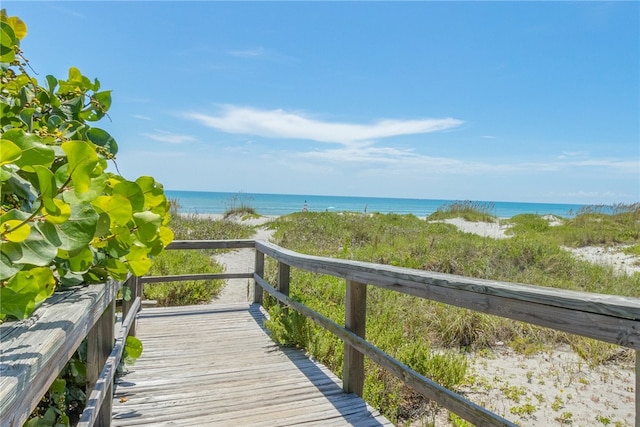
x: 305, y: 208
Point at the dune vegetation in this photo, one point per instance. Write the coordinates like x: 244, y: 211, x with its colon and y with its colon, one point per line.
x: 438, y: 341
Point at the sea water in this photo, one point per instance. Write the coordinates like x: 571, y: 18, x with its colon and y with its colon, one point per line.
x: 201, y: 202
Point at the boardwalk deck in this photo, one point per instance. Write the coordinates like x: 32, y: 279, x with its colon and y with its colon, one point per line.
x: 216, y: 365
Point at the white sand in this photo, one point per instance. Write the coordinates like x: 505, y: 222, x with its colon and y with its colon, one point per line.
x: 553, y: 385
x: 613, y: 256
x: 494, y: 230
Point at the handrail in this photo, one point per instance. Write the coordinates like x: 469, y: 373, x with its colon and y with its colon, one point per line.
x: 608, y: 318
x: 35, y: 350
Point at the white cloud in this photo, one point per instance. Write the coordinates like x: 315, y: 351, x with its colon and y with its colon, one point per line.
x: 283, y: 124
x: 141, y: 117
x: 249, y: 53
x: 171, y: 138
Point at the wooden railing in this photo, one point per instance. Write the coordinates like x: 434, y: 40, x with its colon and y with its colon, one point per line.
x: 34, y: 351
x: 607, y: 318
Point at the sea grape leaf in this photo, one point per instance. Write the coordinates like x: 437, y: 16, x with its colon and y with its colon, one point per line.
x: 82, y: 261
x: 117, y: 207
x: 34, y: 152
x: 82, y: 159
x: 60, y: 215
x: 14, y: 230
x: 132, y: 192
x: 8, y: 39
x: 18, y: 26
x: 7, y: 268
x: 35, y: 250
x: 117, y: 269
x: 138, y: 260
x: 147, y: 224
x: 133, y: 347
x: 153, y: 192
x: 47, y: 183
x: 103, y: 139
x: 74, y: 233
x: 24, y: 290
x: 9, y: 152
x: 166, y: 235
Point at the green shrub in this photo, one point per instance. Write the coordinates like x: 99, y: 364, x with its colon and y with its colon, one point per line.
x: 467, y: 210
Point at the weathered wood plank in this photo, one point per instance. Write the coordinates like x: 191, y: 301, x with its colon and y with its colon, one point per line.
x: 35, y: 350
x: 225, y: 372
x: 211, y: 244
x: 355, y: 321
x: 607, y: 318
x: 199, y: 276
x: 100, y: 391
x: 459, y: 405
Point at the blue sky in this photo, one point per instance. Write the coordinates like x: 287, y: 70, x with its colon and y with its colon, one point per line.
x: 495, y: 101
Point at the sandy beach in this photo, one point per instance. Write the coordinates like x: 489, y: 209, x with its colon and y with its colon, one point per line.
x: 545, y: 389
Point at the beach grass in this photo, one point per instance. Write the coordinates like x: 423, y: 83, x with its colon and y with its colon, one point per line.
x: 192, y: 227
x: 414, y: 330
x: 467, y: 210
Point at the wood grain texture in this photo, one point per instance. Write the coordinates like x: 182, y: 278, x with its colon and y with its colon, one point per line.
x: 35, y: 350
x: 608, y: 318
x: 216, y: 365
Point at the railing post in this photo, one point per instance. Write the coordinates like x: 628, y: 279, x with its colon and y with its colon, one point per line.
x: 134, y: 285
x: 637, y: 388
x: 283, y: 277
x: 100, y: 341
x: 355, y: 321
x: 258, y: 271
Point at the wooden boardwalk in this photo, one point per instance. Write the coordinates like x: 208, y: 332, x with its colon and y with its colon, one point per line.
x: 216, y: 365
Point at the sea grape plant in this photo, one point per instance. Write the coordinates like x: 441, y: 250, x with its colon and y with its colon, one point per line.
x: 64, y: 219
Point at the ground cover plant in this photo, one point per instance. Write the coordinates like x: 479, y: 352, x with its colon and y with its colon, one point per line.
x: 417, y: 331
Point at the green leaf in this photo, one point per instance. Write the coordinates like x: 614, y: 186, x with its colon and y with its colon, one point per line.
x: 34, y: 152
x: 133, y: 347
x: 132, y: 192
x: 8, y: 41
x: 7, y: 268
x: 138, y: 260
x: 18, y: 26
x: 82, y: 261
x: 148, y: 225
x: 52, y: 82
x: 47, y: 182
x: 34, y: 250
x: 153, y: 191
x: 9, y: 152
x: 83, y: 159
x: 25, y: 290
x: 15, y: 230
x: 26, y: 116
x: 102, y: 139
x: 75, y: 233
x: 117, y: 269
x: 59, y: 214
x: 126, y: 293
x: 117, y: 207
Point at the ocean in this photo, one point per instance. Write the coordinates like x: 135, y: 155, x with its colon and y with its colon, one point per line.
x: 201, y: 202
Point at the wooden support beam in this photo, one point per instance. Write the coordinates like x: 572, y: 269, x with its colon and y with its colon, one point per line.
x: 100, y: 342
x: 355, y: 321
x: 258, y: 271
